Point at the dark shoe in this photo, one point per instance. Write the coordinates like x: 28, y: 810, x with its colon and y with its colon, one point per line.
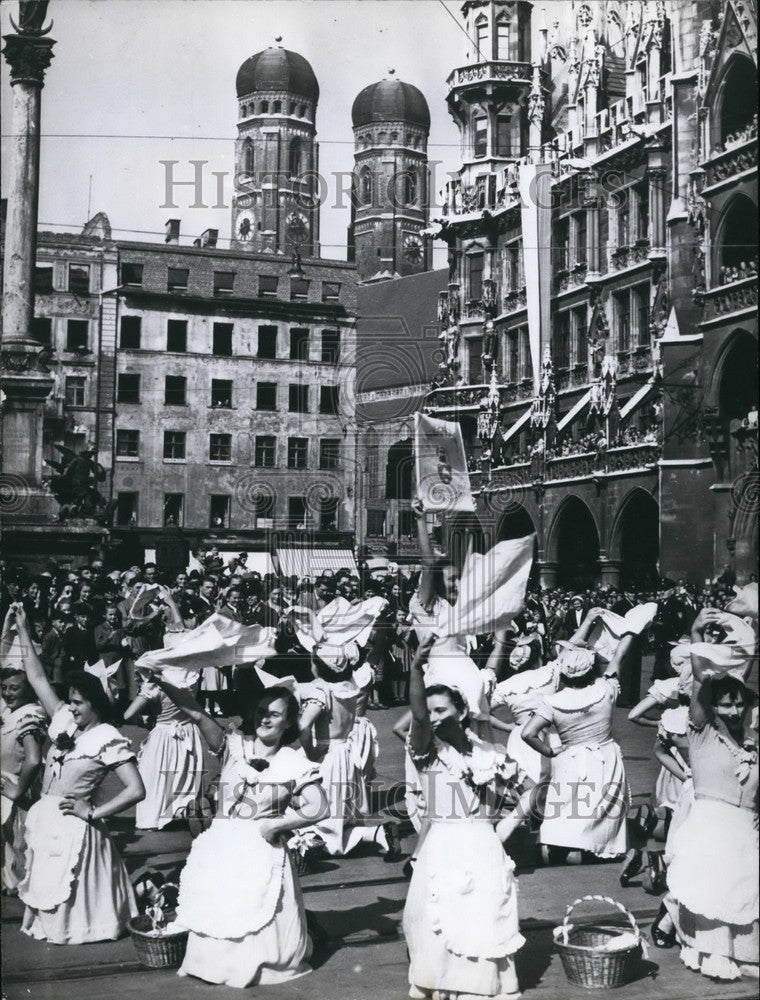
x: 394, y: 842
x: 660, y: 938
x: 408, y: 870
x: 655, y: 876
x: 632, y: 868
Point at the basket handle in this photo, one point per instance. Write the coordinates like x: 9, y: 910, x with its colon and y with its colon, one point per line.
x: 567, y: 926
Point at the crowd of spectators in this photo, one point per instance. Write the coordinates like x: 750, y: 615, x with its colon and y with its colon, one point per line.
x: 736, y: 138
x: 744, y: 269
x: 83, y: 615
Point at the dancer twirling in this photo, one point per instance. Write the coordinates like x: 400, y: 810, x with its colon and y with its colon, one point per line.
x: 712, y: 906
x: 460, y: 920
x: 239, y: 894
x: 22, y: 731
x: 589, y: 798
x: 170, y: 760
x: 328, y: 710
x: 76, y: 888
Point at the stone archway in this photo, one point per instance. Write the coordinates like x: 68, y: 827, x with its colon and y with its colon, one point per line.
x: 636, y: 540
x: 464, y: 531
x: 574, y: 545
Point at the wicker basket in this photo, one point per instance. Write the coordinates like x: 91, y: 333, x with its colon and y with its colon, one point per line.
x: 158, y: 951
x: 583, y: 959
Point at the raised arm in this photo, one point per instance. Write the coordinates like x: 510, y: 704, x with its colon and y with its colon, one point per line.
x: 421, y: 731
x: 35, y: 672
x: 638, y: 713
x: 700, y: 706
x: 426, y: 551
x: 624, y: 647
x: 583, y: 631
x: 705, y: 616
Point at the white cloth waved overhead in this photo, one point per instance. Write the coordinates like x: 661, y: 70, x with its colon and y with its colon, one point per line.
x: 492, y: 588
x: 218, y: 642
x: 610, y: 628
x: 337, y: 623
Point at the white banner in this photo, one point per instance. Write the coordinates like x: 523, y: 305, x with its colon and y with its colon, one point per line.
x: 443, y: 483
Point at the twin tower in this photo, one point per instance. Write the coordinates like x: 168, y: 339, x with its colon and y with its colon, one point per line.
x: 279, y: 188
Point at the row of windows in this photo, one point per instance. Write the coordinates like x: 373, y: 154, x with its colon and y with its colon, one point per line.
x: 220, y: 449
x: 376, y: 520
x: 299, y: 511
x: 178, y: 278
x: 222, y: 343
x: 77, y: 279
x: 297, y: 110
x: 128, y: 390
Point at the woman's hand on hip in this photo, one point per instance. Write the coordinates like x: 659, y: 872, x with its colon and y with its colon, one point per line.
x: 75, y: 807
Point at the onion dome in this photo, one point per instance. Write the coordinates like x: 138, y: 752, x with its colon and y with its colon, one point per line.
x: 277, y: 69
x: 391, y: 101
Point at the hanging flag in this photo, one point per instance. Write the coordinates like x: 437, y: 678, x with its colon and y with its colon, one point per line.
x: 443, y: 483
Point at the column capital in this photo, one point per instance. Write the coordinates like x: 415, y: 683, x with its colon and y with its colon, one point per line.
x: 28, y: 56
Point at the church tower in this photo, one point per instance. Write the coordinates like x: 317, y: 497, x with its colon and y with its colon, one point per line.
x: 390, y: 204
x: 276, y: 203
x: 494, y: 97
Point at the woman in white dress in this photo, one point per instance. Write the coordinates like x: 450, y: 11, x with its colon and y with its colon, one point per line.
x: 712, y: 906
x: 170, y: 760
x: 460, y: 919
x: 76, y: 888
x: 328, y: 711
x: 22, y: 732
x: 239, y: 895
x: 587, y: 797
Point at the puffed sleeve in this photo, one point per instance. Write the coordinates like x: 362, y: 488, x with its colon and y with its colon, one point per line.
x: 613, y: 686
x: 306, y: 773
x: 313, y: 694
x: 544, y: 710
x: 423, y: 759
x: 32, y: 723
x: 62, y: 722
x: 116, y: 749
x: 664, y: 691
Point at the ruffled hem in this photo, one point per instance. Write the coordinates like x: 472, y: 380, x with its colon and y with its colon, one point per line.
x: 215, y: 900
x: 714, y: 966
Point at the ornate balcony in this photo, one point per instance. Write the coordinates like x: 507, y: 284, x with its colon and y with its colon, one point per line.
x: 734, y: 160
x: 727, y: 299
x: 628, y: 256
x: 515, y: 299
x: 616, y: 461
x: 490, y: 72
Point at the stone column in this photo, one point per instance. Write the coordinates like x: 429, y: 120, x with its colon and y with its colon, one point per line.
x: 591, y: 203
x: 610, y: 571
x: 24, y: 376
x: 547, y: 572
x: 656, y: 175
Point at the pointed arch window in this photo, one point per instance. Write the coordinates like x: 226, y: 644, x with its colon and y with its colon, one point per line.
x: 295, y: 158
x: 502, y: 38
x: 411, y: 187
x: 365, y: 186
x: 248, y: 156
x: 481, y: 39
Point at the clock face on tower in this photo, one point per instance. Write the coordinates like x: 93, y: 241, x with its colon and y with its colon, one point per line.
x: 298, y: 226
x: 245, y: 226
x: 412, y: 249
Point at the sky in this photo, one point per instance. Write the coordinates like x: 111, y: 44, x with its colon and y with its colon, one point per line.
x: 125, y: 70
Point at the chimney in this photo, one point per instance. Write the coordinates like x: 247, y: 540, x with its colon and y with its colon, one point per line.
x: 209, y: 238
x: 197, y: 242
x: 172, y: 231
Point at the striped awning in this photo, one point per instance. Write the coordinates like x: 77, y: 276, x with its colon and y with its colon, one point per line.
x: 516, y: 426
x: 637, y: 398
x: 312, y: 562
x: 570, y: 416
